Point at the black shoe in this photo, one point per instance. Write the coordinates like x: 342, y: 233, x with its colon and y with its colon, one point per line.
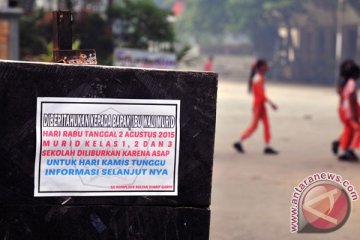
x: 270, y: 151
x: 353, y: 155
x: 335, y: 147
x: 239, y: 147
x: 348, y: 156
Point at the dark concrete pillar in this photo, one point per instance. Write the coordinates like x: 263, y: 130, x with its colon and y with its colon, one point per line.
x: 182, y: 217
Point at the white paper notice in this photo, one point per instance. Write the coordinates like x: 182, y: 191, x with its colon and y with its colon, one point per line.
x: 106, y: 147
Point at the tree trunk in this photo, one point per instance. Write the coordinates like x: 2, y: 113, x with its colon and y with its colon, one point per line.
x: 290, y: 43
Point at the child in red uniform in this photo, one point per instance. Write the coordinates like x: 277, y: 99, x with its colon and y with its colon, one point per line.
x: 208, y: 67
x: 347, y: 64
x: 256, y: 85
x: 348, y: 109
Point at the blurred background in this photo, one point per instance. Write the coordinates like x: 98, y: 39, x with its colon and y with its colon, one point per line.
x: 303, y: 40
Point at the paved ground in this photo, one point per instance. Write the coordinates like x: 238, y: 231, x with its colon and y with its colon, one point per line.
x: 252, y: 192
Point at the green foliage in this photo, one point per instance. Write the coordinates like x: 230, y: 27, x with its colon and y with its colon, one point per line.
x: 142, y: 22
x: 278, y: 4
x: 76, y: 44
x: 258, y: 18
x: 48, y: 56
x: 218, y: 16
x: 94, y: 32
x: 205, y: 16
x: 182, y: 56
x: 90, y: 32
x: 31, y: 35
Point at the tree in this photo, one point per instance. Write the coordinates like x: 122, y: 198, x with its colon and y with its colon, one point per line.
x: 94, y: 33
x: 32, y: 35
x: 258, y: 18
x: 142, y: 22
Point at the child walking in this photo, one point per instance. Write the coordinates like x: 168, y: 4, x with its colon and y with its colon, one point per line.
x: 256, y: 86
x: 348, y: 110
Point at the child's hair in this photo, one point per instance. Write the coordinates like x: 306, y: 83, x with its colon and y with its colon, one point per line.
x: 348, y: 70
x: 254, y: 69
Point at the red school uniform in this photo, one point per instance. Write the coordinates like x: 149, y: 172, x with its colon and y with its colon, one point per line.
x: 349, y: 134
x: 259, y: 109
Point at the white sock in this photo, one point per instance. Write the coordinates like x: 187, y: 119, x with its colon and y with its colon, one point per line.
x: 342, y: 151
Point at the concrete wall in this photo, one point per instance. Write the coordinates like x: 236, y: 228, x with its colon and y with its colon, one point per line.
x: 182, y: 217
